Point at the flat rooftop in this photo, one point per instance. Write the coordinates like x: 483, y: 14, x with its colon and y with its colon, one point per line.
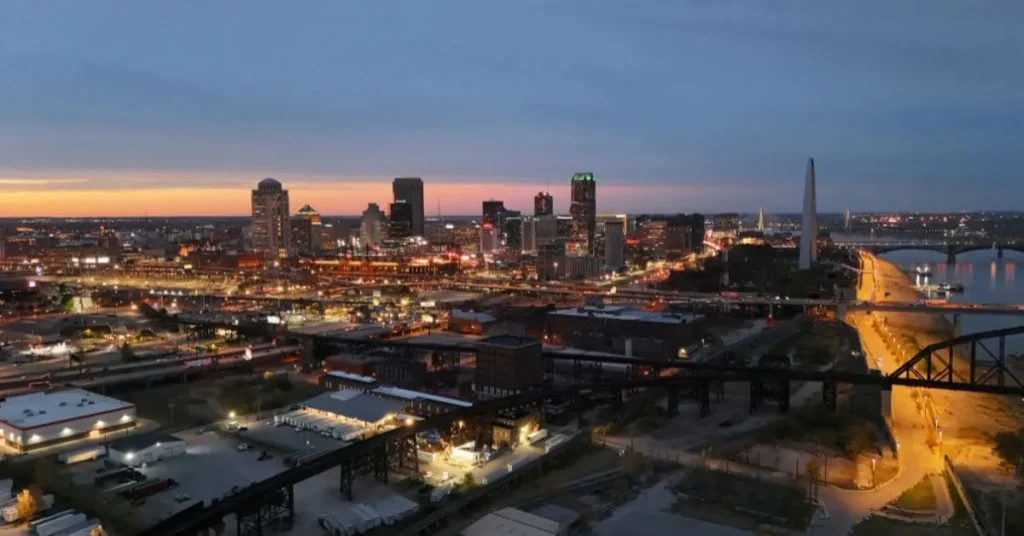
x: 41, y: 409
x: 355, y: 405
x: 618, y: 312
x: 142, y: 441
x: 511, y: 341
x: 397, y: 392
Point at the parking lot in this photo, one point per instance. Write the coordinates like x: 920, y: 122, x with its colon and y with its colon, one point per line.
x: 211, y: 467
x: 284, y: 438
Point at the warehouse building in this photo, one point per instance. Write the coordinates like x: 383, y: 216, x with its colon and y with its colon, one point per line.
x: 355, y: 408
x: 38, y: 420
x: 620, y: 330
x: 145, y: 448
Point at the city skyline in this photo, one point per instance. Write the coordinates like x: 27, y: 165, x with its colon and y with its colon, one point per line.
x: 908, y: 113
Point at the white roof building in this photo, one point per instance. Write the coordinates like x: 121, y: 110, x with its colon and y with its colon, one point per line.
x: 43, y: 419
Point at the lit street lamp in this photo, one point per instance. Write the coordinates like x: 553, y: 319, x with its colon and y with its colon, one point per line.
x: 874, y: 483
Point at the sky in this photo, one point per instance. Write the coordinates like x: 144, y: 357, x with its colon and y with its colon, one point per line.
x: 126, y: 108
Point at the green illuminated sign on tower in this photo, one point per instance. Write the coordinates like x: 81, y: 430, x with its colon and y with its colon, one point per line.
x: 583, y: 177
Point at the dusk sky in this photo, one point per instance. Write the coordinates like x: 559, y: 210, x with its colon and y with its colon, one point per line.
x: 180, y: 108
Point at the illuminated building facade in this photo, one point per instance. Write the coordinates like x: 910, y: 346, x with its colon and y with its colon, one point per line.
x: 372, y: 226
x: 583, y: 211
x: 400, y: 222
x: 271, y: 232
x: 543, y: 204
x: 410, y: 190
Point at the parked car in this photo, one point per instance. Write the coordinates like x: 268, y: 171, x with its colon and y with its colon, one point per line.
x: 182, y: 497
x: 243, y: 447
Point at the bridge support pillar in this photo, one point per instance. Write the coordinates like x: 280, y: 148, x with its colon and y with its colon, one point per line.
x: 829, y: 390
x: 380, y: 463
x: 673, y: 401
x: 950, y: 255
x: 841, y: 312
x: 999, y: 253
x: 704, y: 397
x: 346, y: 478
x: 756, y: 393
x: 956, y: 325
x: 783, y: 395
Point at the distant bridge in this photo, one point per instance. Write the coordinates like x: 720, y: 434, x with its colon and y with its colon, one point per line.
x: 951, y: 249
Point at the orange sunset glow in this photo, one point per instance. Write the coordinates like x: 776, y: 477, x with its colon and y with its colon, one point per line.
x: 121, y: 194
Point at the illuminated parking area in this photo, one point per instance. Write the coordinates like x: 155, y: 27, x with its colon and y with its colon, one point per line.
x: 46, y: 419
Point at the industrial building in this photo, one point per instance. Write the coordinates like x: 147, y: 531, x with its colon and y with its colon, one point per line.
x: 37, y: 420
x: 506, y: 365
x: 355, y: 408
x: 620, y: 330
x: 145, y: 448
x: 419, y: 403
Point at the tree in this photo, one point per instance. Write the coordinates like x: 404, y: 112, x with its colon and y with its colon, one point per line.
x: 1010, y: 447
x: 27, y: 505
x: 859, y: 439
x: 467, y: 482
x: 127, y: 354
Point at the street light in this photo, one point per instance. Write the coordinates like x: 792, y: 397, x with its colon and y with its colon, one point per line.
x: 874, y: 482
x: 232, y: 415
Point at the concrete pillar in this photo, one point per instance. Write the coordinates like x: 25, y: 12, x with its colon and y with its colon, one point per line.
x: 999, y: 253
x: 950, y: 255
x: 841, y: 312
x: 956, y: 325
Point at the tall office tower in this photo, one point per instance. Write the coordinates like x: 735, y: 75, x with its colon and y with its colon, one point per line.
x: 696, y: 232
x: 529, y: 234
x: 809, y: 222
x: 847, y: 218
x: 551, y: 260
x: 583, y: 209
x: 372, y: 226
x: 512, y: 229
x: 547, y: 228
x: 271, y: 232
x: 307, y: 230
x: 492, y: 212
x: 614, y: 245
x: 563, y: 227
x: 678, y: 237
x: 725, y: 225
x: 410, y: 190
x: 400, y: 221
x: 488, y: 238
x: 543, y: 204
x: 760, y: 219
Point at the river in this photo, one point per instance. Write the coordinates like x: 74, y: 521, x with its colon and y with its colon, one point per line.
x: 986, y: 279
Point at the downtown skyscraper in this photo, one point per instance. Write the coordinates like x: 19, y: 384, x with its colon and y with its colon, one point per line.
x: 543, y: 204
x: 583, y: 211
x: 271, y: 229
x: 410, y: 190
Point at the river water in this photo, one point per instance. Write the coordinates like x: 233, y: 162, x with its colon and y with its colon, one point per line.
x: 986, y: 279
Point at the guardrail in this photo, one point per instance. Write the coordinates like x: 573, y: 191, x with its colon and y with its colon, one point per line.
x: 964, y: 498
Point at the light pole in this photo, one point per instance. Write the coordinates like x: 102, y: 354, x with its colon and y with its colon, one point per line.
x: 874, y: 483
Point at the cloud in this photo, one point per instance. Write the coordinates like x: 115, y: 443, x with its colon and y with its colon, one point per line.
x: 697, y: 95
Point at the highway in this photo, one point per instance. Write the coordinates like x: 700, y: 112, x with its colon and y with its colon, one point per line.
x: 151, y: 370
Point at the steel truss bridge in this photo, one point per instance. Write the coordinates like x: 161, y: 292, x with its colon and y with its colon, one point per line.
x: 270, y: 504
x: 950, y: 249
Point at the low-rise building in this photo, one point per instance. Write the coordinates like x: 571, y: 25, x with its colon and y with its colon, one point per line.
x: 37, y: 420
x: 145, y: 448
x: 620, y: 330
x: 469, y: 322
x: 506, y: 365
x: 513, y: 522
